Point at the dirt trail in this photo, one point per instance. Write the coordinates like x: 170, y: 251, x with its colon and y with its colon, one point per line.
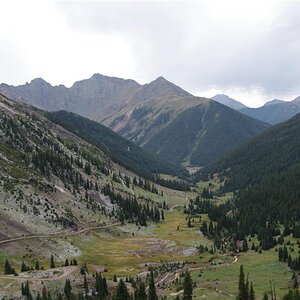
x: 57, y: 234
x: 172, y: 208
x: 172, y: 276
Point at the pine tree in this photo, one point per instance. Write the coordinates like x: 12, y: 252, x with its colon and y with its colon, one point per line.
x: 23, y: 267
x: 140, y: 293
x: 68, y: 289
x: 265, y: 296
x: 52, y: 264
x: 245, y: 245
x: 251, y: 293
x: 105, y: 288
x: 7, y: 267
x: 37, y: 265
x: 242, y: 295
x: 25, y: 290
x: 67, y: 263
x: 187, y: 286
x: 122, y: 291
x: 152, y: 289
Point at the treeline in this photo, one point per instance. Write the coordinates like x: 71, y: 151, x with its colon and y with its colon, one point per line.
x: 227, y: 224
x: 179, y: 185
x: 144, y: 184
x: 132, y: 210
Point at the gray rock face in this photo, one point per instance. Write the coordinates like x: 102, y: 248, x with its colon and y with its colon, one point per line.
x: 91, y: 97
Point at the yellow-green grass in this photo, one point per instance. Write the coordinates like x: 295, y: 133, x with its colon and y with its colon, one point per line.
x: 123, y: 254
x: 184, y: 236
x: 224, y: 198
x: 261, y: 268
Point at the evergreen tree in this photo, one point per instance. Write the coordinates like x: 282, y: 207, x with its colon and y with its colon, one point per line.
x: 23, y: 267
x: 187, y: 286
x: 152, y: 289
x: 52, y: 264
x: 25, y: 290
x: 251, y: 293
x: 122, y: 291
x: 245, y: 245
x: 7, y: 267
x: 68, y: 289
x: 67, y: 263
x: 242, y: 295
x: 105, y: 288
x: 140, y: 293
x: 265, y: 296
x: 37, y: 265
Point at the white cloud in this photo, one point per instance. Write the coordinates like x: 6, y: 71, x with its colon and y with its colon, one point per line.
x: 249, y: 49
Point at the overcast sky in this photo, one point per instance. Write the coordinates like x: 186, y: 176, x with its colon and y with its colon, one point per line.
x: 249, y: 50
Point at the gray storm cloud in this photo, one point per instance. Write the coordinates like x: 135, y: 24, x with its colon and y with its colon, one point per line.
x: 199, y: 45
x: 192, y: 44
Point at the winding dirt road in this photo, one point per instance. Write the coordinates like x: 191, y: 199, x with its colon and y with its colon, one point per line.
x: 58, y: 234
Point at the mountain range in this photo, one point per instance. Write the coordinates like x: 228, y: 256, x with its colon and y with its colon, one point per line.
x: 272, y: 112
x: 159, y: 116
x: 226, y: 100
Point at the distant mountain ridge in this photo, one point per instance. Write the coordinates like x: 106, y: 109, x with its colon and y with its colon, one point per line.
x: 274, y: 102
x: 160, y: 116
x: 226, y: 100
x: 274, y: 112
x: 93, y: 97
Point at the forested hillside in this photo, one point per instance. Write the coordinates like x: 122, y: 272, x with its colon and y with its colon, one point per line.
x: 265, y: 174
x: 118, y: 148
x: 269, y: 154
x: 54, y: 179
x: 203, y: 133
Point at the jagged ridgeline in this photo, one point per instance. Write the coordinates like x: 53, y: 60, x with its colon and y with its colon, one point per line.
x: 118, y: 148
x: 265, y: 175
